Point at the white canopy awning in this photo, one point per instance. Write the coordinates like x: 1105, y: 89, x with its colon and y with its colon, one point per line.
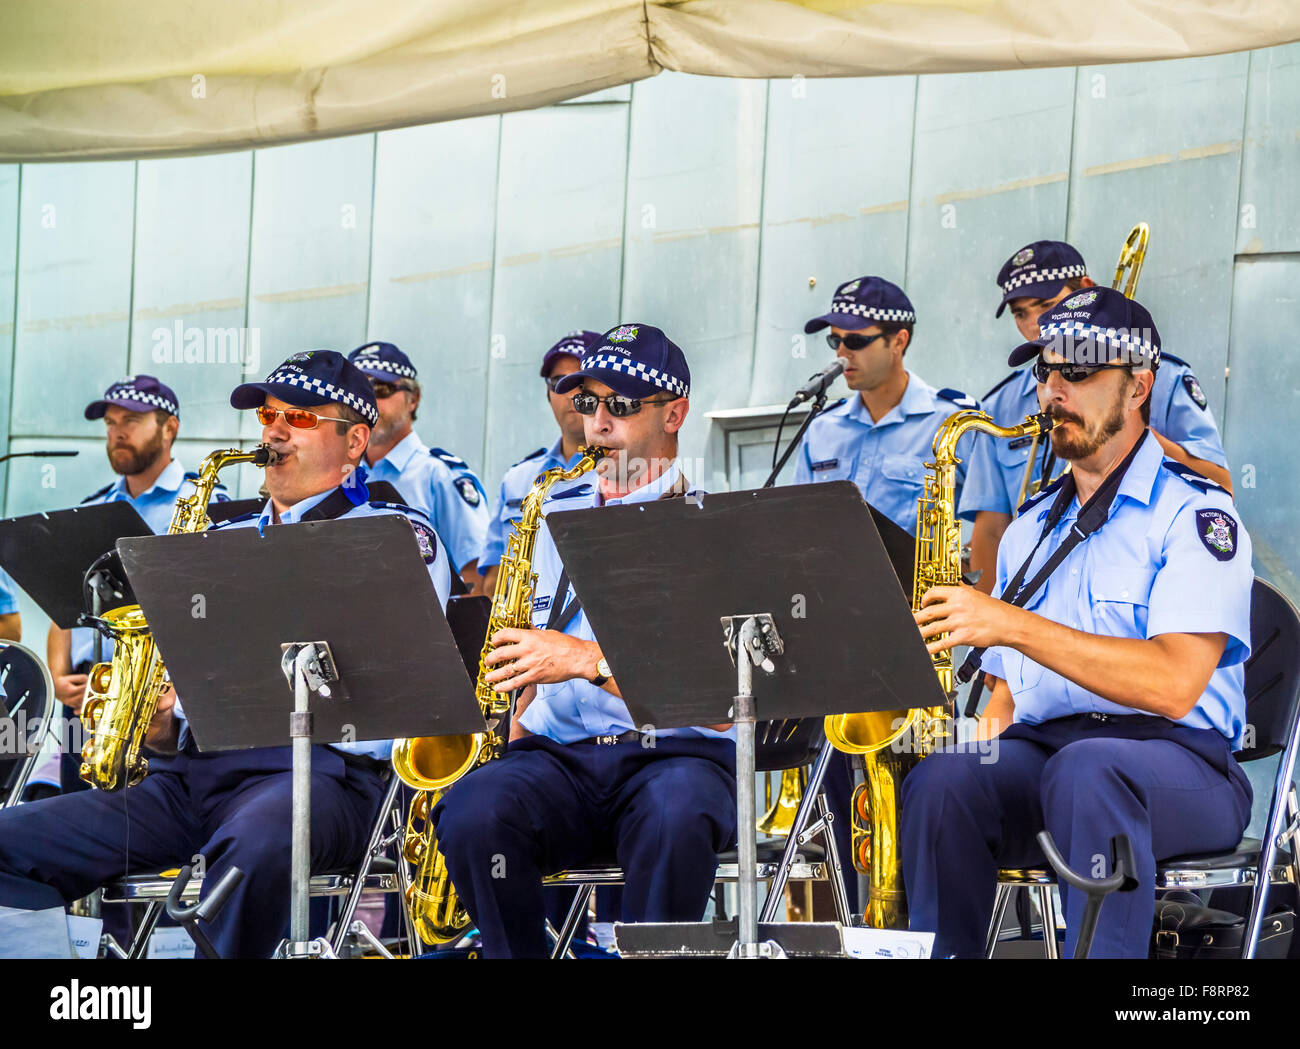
x: 156, y: 77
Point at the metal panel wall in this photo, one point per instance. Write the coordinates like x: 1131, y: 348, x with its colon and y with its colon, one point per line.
x: 836, y: 172
x: 557, y: 258
x: 431, y: 269
x: 1161, y: 142
x: 990, y: 174
x: 1268, y: 218
x: 690, y: 259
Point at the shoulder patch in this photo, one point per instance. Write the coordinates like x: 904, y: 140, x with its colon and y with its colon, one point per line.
x: 531, y: 455
x: 1193, y: 478
x: 1035, y: 499
x: 1217, y: 530
x: 1194, y: 391
x: 1000, y: 385
x: 103, y: 491
x: 428, y: 540
x: 448, y: 458
x: 251, y: 516
x: 958, y: 398
x: 1170, y: 358
x: 468, y: 490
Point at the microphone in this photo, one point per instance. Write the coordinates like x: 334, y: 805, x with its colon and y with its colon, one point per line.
x: 816, y: 386
x: 43, y: 455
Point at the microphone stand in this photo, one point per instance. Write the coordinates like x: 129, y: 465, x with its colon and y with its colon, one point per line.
x: 818, y: 406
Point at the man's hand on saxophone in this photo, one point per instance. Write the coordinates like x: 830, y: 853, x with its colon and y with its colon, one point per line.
x: 543, y: 657
x: 164, y: 729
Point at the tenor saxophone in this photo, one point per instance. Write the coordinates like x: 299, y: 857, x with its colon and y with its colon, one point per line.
x: 892, y: 742
x: 431, y: 764
x: 122, y: 695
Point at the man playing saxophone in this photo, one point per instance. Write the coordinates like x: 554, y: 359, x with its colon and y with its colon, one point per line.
x: 233, y: 807
x: 1118, y: 686
x: 581, y: 781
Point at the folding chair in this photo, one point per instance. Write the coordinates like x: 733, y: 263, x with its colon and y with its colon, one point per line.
x: 28, y: 697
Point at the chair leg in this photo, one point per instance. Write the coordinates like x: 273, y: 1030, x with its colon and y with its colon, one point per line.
x: 1000, y: 903
x: 811, y: 792
x: 140, y: 941
x: 1278, y: 818
x: 835, y: 873
x: 343, y: 927
x: 1047, y: 910
x: 564, y: 938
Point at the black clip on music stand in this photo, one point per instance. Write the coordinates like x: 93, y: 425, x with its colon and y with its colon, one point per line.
x: 387, y: 665
x: 1124, y: 879
x: 830, y: 626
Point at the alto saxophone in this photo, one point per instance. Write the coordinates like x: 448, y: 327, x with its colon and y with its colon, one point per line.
x: 431, y: 764
x: 892, y: 742
x: 122, y: 696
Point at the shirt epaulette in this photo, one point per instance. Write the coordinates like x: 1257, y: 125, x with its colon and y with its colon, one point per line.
x: 1196, y: 480
x: 571, y: 493
x: 103, y: 491
x: 1172, y: 359
x: 448, y: 458
x: 999, y: 386
x: 1039, y: 497
x: 379, y: 504
x: 530, y: 455
x: 958, y: 398
x: 252, y: 515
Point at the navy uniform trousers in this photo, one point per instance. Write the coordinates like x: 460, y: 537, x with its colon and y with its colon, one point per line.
x: 233, y: 808
x: 663, y: 812
x: 1172, y: 789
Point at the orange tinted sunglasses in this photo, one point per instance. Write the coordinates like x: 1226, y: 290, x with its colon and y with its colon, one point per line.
x: 298, y: 418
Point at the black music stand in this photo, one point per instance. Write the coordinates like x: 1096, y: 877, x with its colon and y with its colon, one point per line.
x: 821, y: 614
x: 364, y: 661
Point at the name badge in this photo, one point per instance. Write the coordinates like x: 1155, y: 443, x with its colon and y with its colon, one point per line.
x: 825, y: 464
x: 514, y: 504
x: 541, y: 604
x: 1021, y: 442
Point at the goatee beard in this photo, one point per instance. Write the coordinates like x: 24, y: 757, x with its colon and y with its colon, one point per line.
x: 1090, y: 441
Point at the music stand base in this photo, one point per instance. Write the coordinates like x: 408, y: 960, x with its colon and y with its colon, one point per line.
x: 718, y: 939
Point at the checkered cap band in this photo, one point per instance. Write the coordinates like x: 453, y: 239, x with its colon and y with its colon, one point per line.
x: 616, y: 362
x: 378, y: 364
x: 1061, y: 273
x: 1109, y: 336
x: 327, y: 390
x: 872, y: 312
x: 130, y: 393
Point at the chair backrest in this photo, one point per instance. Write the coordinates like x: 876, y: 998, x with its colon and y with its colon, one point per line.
x: 26, y: 696
x: 1272, y: 672
x: 785, y: 744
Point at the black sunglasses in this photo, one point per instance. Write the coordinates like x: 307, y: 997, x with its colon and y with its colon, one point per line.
x: 1072, y: 372
x: 553, y: 381
x: 852, y: 340
x: 387, y: 389
x: 618, y: 406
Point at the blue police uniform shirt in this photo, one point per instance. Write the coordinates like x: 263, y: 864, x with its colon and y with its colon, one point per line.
x: 576, y: 709
x: 997, y: 467
x: 444, y: 488
x: 155, y: 505
x: 516, y: 484
x: 886, y: 458
x: 1172, y: 558
x: 439, y: 573
x: 8, y: 594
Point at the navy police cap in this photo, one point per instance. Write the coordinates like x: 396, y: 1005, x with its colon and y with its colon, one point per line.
x: 136, y: 393
x: 576, y: 344
x: 1094, y: 326
x: 863, y: 302
x: 634, y: 360
x: 1038, y: 271
x: 311, y: 378
x: 383, y: 360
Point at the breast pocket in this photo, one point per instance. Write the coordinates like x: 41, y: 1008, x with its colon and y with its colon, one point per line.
x: 1120, y: 596
x: 905, y: 470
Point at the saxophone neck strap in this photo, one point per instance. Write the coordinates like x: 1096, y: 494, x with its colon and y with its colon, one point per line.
x: 1092, y: 515
x: 339, y: 502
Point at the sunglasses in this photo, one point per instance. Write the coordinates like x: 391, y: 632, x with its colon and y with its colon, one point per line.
x: 298, y: 418
x: 553, y: 381
x: 586, y: 404
x: 1072, y: 372
x: 853, y: 341
x: 387, y: 389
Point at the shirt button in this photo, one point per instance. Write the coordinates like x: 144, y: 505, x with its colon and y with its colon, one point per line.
x: 1074, y: 571
x: 1123, y: 593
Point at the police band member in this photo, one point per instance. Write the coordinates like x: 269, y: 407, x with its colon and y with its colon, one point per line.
x: 880, y: 438
x: 430, y: 479
x: 233, y: 807
x: 560, y: 360
x: 580, y: 781
x: 1117, y: 688
x: 141, y: 417
x: 1036, y: 278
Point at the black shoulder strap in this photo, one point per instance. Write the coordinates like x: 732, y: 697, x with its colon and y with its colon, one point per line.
x: 1092, y: 515
x: 338, y: 502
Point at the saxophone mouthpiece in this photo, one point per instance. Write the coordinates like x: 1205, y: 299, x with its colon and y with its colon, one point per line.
x: 265, y: 455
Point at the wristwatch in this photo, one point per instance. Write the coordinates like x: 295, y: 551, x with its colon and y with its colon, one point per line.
x: 603, y: 673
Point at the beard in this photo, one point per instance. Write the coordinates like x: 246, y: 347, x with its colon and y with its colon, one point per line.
x: 1090, y: 437
x: 128, y: 461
